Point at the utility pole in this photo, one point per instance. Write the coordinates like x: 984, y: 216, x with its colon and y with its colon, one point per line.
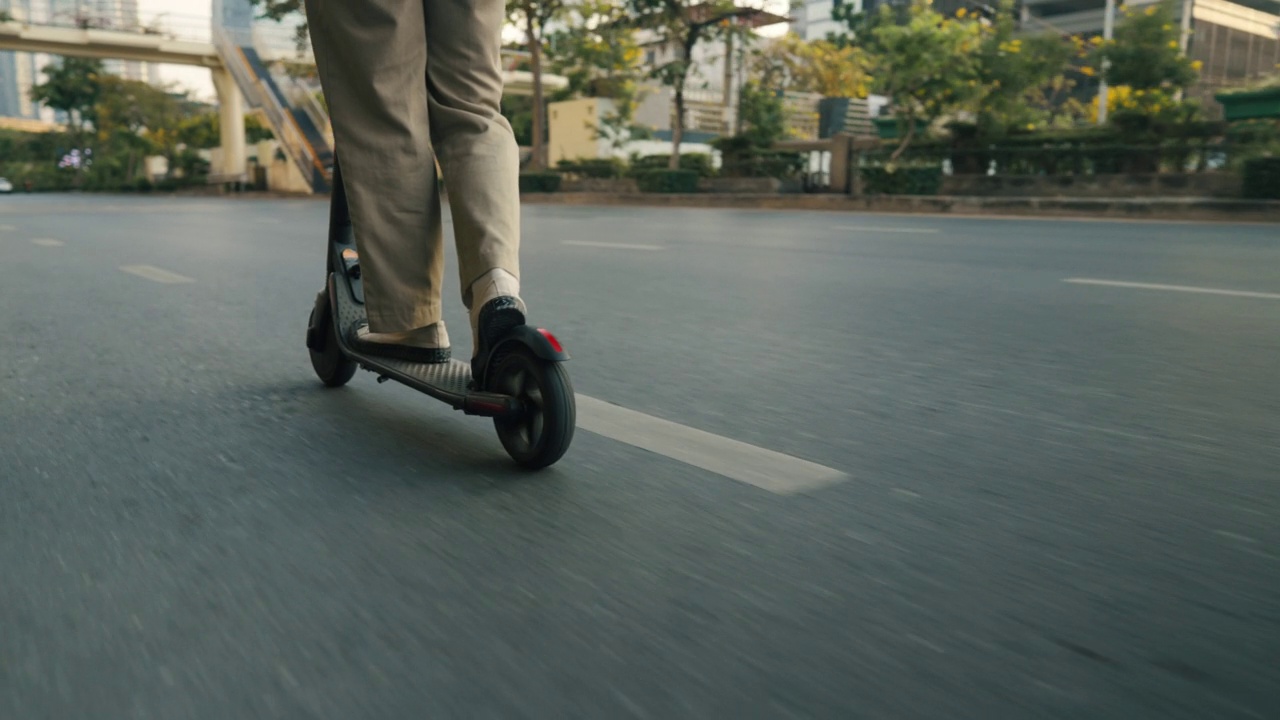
x: 1108, y: 25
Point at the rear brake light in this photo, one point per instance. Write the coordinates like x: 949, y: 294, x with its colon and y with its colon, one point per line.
x: 555, y: 344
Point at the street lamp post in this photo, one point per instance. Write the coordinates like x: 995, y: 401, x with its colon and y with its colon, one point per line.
x: 1108, y: 25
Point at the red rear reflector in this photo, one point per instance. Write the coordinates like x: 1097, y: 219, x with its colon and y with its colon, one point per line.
x: 555, y: 344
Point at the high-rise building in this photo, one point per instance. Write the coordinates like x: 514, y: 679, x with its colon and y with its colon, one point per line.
x: 18, y: 71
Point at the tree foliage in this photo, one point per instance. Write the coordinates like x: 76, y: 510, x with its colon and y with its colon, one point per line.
x: 763, y: 114
x: 825, y: 67
x: 279, y: 9
x: 73, y: 86
x: 1021, y: 76
x: 1145, y: 52
x: 597, y: 52
x: 533, y: 18
x: 680, y: 25
x: 928, y: 65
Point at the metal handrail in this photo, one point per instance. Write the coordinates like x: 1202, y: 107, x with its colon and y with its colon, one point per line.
x: 293, y: 141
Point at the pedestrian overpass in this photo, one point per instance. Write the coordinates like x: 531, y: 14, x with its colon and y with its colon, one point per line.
x: 249, y: 61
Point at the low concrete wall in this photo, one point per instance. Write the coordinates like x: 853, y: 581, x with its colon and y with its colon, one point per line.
x: 1195, y: 185
x: 752, y: 186
x: 1138, y: 209
x: 757, y: 186
x: 600, y: 185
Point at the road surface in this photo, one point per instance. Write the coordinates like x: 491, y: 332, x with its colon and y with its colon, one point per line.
x: 829, y: 466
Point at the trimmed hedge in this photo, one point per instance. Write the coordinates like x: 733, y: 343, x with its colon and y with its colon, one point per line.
x: 668, y: 181
x: 598, y: 168
x: 699, y: 163
x: 539, y: 182
x: 1262, y: 178
x: 902, y: 181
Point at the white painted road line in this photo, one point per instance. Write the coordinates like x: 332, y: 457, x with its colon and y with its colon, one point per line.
x: 47, y: 242
x: 863, y: 228
x: 156, y: 274
x: 7, y: 228
x: 613, y: 246
x: 1174, y: 288
x: 739, y: 461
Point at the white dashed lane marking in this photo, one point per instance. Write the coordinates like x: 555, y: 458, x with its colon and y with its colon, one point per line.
x: 155, y: 274
x: 1174, y: 288
x: 766, y: 469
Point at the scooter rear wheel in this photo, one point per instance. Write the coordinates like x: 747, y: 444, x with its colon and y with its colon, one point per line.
x: 332, y: 367
x: 541, y: 434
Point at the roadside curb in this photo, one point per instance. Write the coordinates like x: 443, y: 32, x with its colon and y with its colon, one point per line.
x: 1252, y: 211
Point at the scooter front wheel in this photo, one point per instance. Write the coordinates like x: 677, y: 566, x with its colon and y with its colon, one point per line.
x: 332, y: 367
x: 540, y: 435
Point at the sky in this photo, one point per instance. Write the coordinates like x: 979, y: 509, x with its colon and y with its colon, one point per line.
x: 198, y: 80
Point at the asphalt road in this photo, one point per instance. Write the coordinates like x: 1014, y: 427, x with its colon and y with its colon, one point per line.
x: 1056, y: 500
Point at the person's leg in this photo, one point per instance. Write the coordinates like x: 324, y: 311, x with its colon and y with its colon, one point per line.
x: 478, y: 156
x: 372, y: 60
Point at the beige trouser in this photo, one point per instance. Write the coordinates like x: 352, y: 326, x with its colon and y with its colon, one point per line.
x: 410, y: 82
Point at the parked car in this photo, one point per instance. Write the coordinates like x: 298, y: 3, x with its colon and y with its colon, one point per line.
x: 5, y: 186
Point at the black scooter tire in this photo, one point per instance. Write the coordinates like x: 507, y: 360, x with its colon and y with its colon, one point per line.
x: 332, y: 367
x: 541, y: 435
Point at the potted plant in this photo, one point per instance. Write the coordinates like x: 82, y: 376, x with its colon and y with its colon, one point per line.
x: 1261, y: 100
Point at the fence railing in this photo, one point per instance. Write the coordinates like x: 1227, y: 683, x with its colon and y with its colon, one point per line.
x: 1052, y: 159
x: 836, y: 164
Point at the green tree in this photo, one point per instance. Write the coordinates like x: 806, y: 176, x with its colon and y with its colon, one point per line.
x: 126, y: 113
x: 596, y: 51
x: 72, y: 86
x: 1145, y: 68
x: 279, y: 9
x: 680, y: 25
x: 763, y: 114
x: 927, y: 64
x: 1021, y: 76
x: 533, y: 17
x: 203, y: 130
x: 1145, y: 53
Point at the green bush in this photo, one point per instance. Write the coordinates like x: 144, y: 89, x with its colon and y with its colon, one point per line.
x: 668, y: 181
x: 901, y: 181
x: 142, y: 185
x: 608, y: 168
x: 699, y: 163
x: 1262, y: 178
x: 765, y: 163
x: 43, y: 177
x: 539, y: 182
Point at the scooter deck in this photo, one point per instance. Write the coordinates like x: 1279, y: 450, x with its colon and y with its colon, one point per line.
x: 449, y: 382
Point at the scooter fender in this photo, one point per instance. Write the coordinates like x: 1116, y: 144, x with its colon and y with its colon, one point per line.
x: 541, y: 342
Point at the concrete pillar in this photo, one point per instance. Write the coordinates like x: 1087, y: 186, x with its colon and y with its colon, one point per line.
x: 230, y: 126
x: 840, y: 172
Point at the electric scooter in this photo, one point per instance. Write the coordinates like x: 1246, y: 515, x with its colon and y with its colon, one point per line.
x: 520, y: 382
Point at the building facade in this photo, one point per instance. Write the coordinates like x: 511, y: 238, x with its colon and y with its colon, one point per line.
x: 1238, y: 41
